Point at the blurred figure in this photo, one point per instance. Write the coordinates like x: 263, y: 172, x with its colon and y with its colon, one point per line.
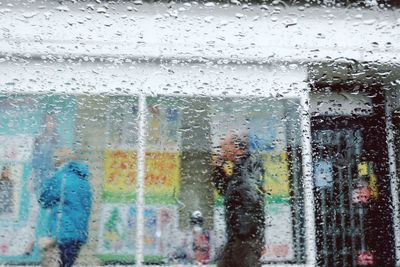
x: 239, y: 177
x: 68, y: 195
x: 194, y: 246
x: 6, y: 191
x: 43, y: 159
x: 201, y: 239
x: 45, y: 149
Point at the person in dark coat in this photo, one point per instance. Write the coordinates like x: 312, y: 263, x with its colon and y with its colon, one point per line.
x: 239, y: 178
x: 68, y: 195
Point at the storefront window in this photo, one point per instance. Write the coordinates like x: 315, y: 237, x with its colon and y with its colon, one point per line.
x: 217, y: 133
x: 183, y: 138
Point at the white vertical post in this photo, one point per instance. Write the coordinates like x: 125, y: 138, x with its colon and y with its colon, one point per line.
x: 305, y: 127
x: 393, y: 179
x: 141, y: 153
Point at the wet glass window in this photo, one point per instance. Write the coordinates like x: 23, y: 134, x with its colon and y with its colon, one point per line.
x: 219, y: 133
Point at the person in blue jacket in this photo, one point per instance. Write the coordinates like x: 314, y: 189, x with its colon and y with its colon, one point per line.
x: 68, y: 195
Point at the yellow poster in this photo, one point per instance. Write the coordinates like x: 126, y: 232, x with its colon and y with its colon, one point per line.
x: 276, y: 175
x: 161, y: 177
x: 120, y: 172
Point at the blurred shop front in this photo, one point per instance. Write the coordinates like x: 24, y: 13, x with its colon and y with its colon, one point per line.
x: 150, y: 125
x: 182, y: 133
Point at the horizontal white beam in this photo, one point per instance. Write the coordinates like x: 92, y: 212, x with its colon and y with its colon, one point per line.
x: 152, y: 79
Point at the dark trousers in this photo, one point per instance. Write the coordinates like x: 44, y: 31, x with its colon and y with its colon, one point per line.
x: 69, y: 252
x: 241, y: 253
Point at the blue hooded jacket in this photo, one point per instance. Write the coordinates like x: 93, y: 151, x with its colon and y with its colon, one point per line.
x: 68, y: 220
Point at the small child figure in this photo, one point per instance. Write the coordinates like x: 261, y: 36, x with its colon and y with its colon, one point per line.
x: 201, y: 239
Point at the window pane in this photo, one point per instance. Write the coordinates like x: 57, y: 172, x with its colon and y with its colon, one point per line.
x: 184, y: 137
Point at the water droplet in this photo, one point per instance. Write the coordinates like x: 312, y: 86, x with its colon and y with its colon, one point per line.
x: 138, y: 2
x: 29, y: 15
x: 101, y: 10
x: 239, y: 15
x: 209, y: 4
x: 63, y: 8
x: 369, y: 21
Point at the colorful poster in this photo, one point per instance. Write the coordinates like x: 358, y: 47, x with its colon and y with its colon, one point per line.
x: 276, y: 176
x: 163, y: 122
x: 10, y: 189
x: 15, y: 152
x: 119, y: 174
x: 278, y: 233
x: 113, y: 230
x: 18, y: 206
x: 150, y: 232
x: 161, y: 177
x: 117, y: 235
x: 279, y: 244
x: 11, y: 185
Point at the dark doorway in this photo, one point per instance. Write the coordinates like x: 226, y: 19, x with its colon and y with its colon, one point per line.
x: 352, y: 190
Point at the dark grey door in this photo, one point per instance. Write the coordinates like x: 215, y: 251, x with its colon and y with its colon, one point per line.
x: 340, y: 219
x: 352, y: 196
